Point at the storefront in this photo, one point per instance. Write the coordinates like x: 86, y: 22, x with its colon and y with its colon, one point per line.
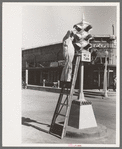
x: 94, y: 76
x: 46, y: 63
x: 36, y: 76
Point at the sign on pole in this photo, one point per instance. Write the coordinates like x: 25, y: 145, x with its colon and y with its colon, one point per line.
x: 86, y: 57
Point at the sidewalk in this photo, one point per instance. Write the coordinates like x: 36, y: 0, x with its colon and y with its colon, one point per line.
x: 87, y: 92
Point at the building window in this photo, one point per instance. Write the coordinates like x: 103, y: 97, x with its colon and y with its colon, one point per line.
x: 103, y: 60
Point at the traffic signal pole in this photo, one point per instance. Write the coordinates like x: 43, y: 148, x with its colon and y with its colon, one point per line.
x: 81, y: 113
x: 81, y: 78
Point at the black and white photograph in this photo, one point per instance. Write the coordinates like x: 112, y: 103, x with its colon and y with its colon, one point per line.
x: 64, y: 74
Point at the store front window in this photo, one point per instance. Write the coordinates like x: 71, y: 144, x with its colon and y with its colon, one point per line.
x: 98, y: 77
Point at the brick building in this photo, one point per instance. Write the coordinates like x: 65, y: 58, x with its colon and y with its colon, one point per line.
x: 46, y: 62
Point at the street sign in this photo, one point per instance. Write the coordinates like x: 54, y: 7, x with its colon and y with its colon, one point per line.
x: 86, y: 57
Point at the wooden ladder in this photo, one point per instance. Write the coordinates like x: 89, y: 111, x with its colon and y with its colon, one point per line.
x: 56, y: 128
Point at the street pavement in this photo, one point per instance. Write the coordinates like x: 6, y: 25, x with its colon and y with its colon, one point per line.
x: 37, y: 112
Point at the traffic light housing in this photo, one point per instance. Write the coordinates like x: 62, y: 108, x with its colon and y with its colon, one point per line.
x: 82, y: 36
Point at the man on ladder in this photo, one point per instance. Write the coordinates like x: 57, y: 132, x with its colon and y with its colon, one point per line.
x: 68, y: 54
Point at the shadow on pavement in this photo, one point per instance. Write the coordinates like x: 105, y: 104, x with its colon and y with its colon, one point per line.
x: 28, y: 121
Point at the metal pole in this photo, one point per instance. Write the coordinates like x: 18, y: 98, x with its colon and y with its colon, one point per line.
x: 99, y: 79
x: 43, y: 82
x: 113, y: 28
x: 81, y: 94
x: 26, y: 77
x: 105, y: 77
x: 58, y: 83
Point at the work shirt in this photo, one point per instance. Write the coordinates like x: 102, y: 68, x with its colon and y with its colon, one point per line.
x: 68, y: 53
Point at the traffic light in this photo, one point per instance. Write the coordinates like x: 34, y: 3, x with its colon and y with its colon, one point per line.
x: 82, y: 36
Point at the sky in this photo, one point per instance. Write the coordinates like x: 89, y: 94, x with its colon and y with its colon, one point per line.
x: 48, y: 24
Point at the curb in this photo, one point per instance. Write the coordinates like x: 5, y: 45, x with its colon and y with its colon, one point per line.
x: 57, y: 90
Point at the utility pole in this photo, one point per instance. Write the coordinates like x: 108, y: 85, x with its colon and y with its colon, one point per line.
x: 105, y: 75
x: 113, y: 29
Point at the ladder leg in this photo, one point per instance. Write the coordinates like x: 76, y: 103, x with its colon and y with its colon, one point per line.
x: 62, y: 130
x: 70, y: 96
x: 57, y: 108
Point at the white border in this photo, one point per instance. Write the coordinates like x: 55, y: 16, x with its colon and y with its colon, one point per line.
x: 11, y: 100
x: 118, y: 81
x: 72, y: 3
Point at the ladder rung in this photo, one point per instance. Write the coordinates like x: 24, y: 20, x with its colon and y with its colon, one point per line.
x: 64, y: 104
x: 65, y: 93
x: 59, y: 124
x: 61, y: 114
